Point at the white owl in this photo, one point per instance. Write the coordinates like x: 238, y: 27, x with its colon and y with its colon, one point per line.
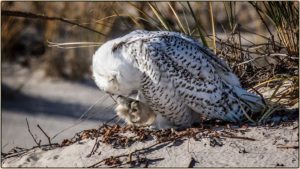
x: 173, y: 77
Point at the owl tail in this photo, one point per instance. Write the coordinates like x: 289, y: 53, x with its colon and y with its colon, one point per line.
x: 254, y: 103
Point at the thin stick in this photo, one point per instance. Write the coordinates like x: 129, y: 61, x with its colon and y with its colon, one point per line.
x: 94, y: 148
x: 112, y: 98
x: 18, y: 154
x: 262, y: 19
x: 80, y: 118
x: 198, y: 25
x: 238, y: 137
x: 49, y: 140
x: 105, y: 123
x: 126, y: 155
x: 177, y: 18
x: 37, y: 143
x: 37, y: 16
x: 6, y: 156
x: 261, y: 96
x: 295, y: 147
x: 71, y: 45
x: 213, y: 27
x: 111, y: 119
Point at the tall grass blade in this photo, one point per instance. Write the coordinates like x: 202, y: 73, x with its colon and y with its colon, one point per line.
x: 142, y: 12
x: 213, y: 27
x: 159, y: 16
x: 177, y: 18
x: 198, y: 26
x: 285, y: 18
x: 185, y: 19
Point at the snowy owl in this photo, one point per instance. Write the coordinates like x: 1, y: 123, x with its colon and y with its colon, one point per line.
x: 169, y: 77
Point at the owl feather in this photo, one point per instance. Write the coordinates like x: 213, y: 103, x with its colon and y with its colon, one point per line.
x: 174, y: 75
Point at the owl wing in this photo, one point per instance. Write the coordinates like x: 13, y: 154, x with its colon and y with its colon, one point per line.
x: 157, y: 86
x: 191, y: 56
x: 179, y: 75
x: 173, y: 84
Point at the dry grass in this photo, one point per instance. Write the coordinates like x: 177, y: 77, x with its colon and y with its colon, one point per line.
x: 258, y: 45
x: 255, y: 56
x: 65, y: 63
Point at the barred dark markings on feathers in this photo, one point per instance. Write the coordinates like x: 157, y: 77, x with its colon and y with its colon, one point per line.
x: 175, y: 75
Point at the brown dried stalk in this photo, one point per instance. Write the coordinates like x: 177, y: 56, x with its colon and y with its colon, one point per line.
x: 45, y: 135
x: 37, y: 16
x: 128, y: 154
x: 37, y: 143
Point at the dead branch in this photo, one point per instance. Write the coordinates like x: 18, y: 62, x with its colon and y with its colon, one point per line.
x: 24, y: 151
x: 45, y: 135
x: 261, y: 18
x: 261, y: 96
x: 18, y: 154
x: 128, y: 154
x: 37, y: 143
x: 96, y: 145
x: 295, y: 147
x: 45, y: 145
x: 37, y: 16
x: 238, y: 137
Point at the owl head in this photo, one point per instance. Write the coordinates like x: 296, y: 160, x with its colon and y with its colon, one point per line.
x: 113, y: 72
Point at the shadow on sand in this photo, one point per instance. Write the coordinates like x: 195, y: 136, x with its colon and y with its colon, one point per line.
x: 20, y: 102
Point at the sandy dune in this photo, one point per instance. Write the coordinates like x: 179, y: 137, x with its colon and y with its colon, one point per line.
x: 251, y: 147
x: 57, y: 104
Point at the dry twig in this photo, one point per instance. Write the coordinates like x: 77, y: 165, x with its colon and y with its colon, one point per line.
x: 49, y: 140
x: 95, y: 147
x: 37, y: 16
x: 295, y: 147
x: 37, y: 143
x: 128, y: 154
x: 238, y: 137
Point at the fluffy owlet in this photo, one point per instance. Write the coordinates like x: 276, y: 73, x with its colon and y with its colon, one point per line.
x: 134, y: 112
x: 172, y: 76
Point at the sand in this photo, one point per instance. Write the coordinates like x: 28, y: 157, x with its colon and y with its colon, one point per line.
x: 57, y: 104
x: 255, y: 147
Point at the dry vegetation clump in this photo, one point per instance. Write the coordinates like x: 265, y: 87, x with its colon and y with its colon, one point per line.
x: 20, y: 38
x: 270, y: 66
x: 124, y: 137
x: 260, y: 45
x: 70, y: 63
